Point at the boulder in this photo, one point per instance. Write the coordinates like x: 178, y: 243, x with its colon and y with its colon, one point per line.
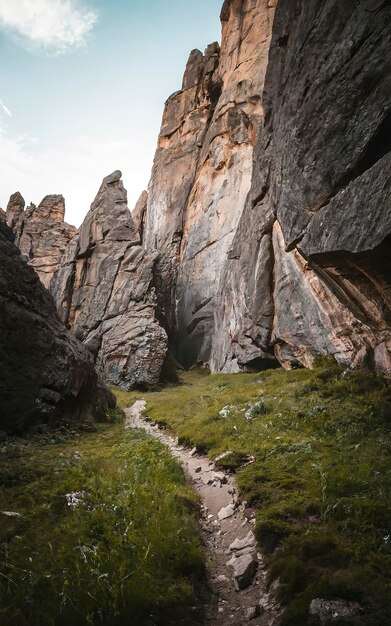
x: 244, y: 569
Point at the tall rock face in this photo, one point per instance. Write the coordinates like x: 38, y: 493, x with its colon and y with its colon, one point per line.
x: 309, y: 267
x: 104, y: 291
x: 45, y: 373
x: 264, y: 237
x: 202, y: 173
x: 41, y: 233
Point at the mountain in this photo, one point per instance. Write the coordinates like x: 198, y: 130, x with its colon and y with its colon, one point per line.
x: 264, y: 236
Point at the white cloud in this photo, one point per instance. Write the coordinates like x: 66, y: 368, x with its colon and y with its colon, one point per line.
x: 5, y: 109
x: 74, y: 170
x: 54, y: 26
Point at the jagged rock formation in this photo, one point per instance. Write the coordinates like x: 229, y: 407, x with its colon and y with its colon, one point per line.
x: 202, y: 172
x: 139, y: 214
x: 15, y: 209
x: 104, y: 291
x: 3, y: 215
x: 314, y: 274
x: 265, y: 230
x: 41, y: 233
x: 45, y: 373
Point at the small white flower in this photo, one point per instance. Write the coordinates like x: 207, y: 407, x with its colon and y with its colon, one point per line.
x: 74, y: 498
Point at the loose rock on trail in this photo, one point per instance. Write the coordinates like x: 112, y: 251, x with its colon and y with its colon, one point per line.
x: 235, y: 569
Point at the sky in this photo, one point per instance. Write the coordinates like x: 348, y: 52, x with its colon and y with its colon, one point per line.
x: 82, y: 89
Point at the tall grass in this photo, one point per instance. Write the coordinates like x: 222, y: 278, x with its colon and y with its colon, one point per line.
x: 103, y: 531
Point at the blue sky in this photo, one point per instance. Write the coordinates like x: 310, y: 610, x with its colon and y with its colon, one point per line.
x: 82, y: 89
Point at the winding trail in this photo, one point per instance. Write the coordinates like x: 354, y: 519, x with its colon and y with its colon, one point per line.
x: 229, y: 543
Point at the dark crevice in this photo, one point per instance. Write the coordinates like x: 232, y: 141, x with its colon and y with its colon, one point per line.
x: 117, y: 271
x: 295, y: 243
x: 202, y: 305
x: 282, y: 42
x: 165, y: 291
x: 259, y: 364
x: 69, y: 290
x: 190, y: 328
x: 378, y: 146
x: 259, y: 197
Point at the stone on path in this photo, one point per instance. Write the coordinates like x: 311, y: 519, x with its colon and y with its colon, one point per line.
x: 240, y: 544
x: 253, y: 612
x: 226, y: 512
x: 244, y: 567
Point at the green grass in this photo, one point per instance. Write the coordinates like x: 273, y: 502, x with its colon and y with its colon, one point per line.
x: 128, y: 554
x: 321, y: 479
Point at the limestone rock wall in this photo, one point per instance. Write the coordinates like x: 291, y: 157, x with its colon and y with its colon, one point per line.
x: 105, y: 294
x: 309, y: 269
x: 45, y: 373
x: 41, y: 233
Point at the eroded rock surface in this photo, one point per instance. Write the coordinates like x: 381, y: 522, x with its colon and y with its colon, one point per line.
x: 41, y: 233
x: 264, y: 237
x: 309, y: 268
x: 139, y: 213
x: 105, y: 294
x: 45, y: 373
x: 15, y: 209
x: 202, y: 172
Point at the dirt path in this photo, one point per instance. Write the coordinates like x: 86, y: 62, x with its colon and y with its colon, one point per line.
x: 229, y: 564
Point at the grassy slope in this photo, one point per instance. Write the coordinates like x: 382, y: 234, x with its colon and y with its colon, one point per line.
x: 129, y: 553
x: 321, y: 478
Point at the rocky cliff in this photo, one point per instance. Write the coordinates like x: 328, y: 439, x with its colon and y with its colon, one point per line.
x: 202, y: 172
x: 269, y: 203
x: 263, y: 239
x: 309, y: 267
x: 45, y: 373
x: 104, y: 291
x: 41, y: 233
